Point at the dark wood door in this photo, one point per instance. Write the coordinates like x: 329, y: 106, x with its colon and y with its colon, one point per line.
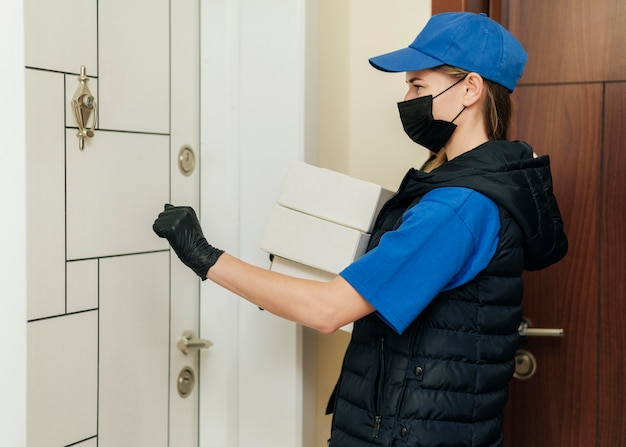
x: 571, y: 105
x: 557, y: 406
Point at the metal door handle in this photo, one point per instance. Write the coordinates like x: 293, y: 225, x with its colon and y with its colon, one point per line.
x: 188, y: 343
x: 526, y: 331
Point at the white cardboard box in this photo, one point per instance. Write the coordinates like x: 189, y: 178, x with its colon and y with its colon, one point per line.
x: 332, y: 196
x: 295, y: 269
x: 312, y: 241
x: 292, y: 268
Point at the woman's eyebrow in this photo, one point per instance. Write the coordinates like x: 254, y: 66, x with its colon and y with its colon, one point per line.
x: 413, y: 79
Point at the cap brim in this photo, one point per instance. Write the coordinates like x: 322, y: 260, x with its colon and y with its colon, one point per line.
x: 406, y: 59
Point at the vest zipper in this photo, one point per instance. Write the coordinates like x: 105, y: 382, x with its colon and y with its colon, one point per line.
x: 380, y: 386
x: 412, y: 341
x: 377, y: 421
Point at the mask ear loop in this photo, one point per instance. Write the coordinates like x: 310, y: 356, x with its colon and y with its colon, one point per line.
x: 457, y: 115
x: 439, y: 94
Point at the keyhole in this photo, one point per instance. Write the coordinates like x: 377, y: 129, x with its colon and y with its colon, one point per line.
x: 186, y: 160
x: 186, y: 381
x: 525, y: 365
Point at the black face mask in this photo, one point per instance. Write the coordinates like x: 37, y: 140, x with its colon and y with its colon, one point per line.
x: 418, y: 122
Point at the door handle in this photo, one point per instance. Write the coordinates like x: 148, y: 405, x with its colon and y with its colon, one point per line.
x: 525, y: 330
x: 188, y: 343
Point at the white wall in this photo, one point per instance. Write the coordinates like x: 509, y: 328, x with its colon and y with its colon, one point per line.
x: 12, y: 228
x: 360, y: 133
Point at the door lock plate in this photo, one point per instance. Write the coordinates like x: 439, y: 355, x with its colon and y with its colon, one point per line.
x: 186, y: 160
x: 525, y: 365
x: 186, y: 382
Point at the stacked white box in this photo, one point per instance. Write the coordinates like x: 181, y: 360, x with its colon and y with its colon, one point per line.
x: 332, y: 196
x: 292, y: 268
x: 321, y: 222
x: 312, y: 241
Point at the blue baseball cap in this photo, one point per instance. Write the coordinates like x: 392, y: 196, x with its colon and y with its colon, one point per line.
x: 466, y: 40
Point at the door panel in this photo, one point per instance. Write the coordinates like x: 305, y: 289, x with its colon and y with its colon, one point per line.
x: 45, y: 153
x: 576, y: 40
x: 564, y: 295
x: 88, y: 443
x: 82, y: 285
x: 134, y: 348
x: 134, y: 65
x: 612, y: 430
x: 58, y: 34
x: 63, y: 352
x: 114, y: 188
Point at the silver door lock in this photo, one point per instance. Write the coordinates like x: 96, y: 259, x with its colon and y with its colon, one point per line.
x: 186, y: 160
x: 525, y: 365
x: 186, y: 382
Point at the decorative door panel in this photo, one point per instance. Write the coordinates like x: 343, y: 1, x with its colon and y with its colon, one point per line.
x: 135, y: 65
x: 82, y: 285
x: 61, y: 35
x: 579, y: 39
x: 106, y: 300
x: 563, y: 295
x: 45, y: 158
x: 115, y: 187
x: 134, y: 348
x: 66, y: 411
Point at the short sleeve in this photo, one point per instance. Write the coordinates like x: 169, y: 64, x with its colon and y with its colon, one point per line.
x: 443, y: 242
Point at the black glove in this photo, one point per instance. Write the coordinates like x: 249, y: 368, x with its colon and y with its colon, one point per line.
x: 180, y: 226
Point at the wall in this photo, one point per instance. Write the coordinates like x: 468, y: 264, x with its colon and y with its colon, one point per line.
x: 12, y: 228
x: 359, y: 131
x: 359, y: 128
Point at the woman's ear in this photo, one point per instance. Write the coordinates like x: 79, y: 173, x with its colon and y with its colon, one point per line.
x: 474, y: 88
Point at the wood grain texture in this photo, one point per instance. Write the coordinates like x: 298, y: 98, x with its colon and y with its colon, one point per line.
x: 557, y: 407
x: 612, y: 391
x: 579, y: 40
x: 460, y: 5
x: 570, y: 105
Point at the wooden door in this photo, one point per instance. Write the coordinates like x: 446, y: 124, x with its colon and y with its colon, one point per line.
x: 570, y: 105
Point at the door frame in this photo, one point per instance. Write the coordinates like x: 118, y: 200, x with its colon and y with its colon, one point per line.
x: 13, y: 255
x: 257, y: 115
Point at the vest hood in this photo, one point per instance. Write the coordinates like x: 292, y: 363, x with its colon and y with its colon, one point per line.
x: 509, y: 174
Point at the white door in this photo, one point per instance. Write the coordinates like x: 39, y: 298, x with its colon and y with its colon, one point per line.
x: 106, y: 299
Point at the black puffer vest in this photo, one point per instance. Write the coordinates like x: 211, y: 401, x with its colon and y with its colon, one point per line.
x: 444, y: 381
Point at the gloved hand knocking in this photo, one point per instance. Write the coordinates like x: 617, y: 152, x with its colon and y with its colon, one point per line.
x: 180, y: 226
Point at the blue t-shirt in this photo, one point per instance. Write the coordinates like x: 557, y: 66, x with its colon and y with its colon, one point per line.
x: 443, y: 242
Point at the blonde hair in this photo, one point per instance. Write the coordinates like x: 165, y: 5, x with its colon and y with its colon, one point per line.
x: 497, y: 110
